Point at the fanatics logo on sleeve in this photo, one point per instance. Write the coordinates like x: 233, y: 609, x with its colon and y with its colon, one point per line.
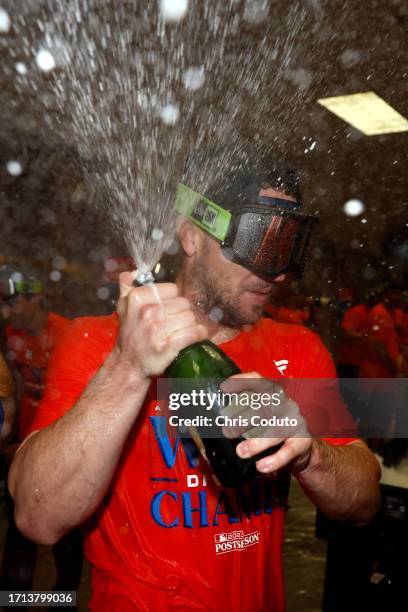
x: 235, y: 540
x: 281, y: 365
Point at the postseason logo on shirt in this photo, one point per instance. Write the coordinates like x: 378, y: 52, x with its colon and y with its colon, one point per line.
x: 235, y: 540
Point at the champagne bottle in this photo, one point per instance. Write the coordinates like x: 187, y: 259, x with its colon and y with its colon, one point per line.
x: 204, y: 365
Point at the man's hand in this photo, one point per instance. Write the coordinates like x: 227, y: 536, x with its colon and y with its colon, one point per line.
x: 155, y: 324
x: 296, y: 441
x: 342, y: 481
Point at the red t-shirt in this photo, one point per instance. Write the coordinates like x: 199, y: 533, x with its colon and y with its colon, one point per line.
x: 29, y: 355
x: 166, y: 537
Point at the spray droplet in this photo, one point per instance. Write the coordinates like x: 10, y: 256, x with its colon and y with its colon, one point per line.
x: 4, y: 21
x: 169, y: 114
x: 173, y: 10
x: 256, y: 11
x: 350, y: 57
x: 353, y: 208
x: 14, y: 168
x: 216, y: 314
x: 45, y: 60
x: 103, y: 293
x: 21, y: 68
x: 157, y: 234
x: 17, y: 277
x: 173, y: 248
x: 111, y: 264
x: 59, y: 262
x: 55, y: 276
x: 193, y: 78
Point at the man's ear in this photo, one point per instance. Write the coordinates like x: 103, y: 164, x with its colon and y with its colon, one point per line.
x: 189, y: 237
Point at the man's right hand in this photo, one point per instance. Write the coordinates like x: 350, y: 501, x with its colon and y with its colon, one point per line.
x: 155, y: 324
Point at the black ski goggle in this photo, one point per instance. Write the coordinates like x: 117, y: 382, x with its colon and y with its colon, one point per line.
x: 267, y: 240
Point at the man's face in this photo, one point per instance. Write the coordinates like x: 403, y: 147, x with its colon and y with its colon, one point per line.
x: 225, y: 290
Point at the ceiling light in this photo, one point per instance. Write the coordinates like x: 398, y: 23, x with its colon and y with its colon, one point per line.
x: 366, y: 112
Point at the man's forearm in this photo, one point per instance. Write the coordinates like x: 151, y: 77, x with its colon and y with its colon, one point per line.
x: 342, y: 481
x: 61, y: 473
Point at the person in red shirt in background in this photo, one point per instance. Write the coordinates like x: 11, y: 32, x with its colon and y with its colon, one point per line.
x: 31, y: 334
x: 370, y: 340
x: 397, y: 301
x: 293, y: 310
x: 153, y: 515
x: 351, y: 350
x: 382, y: 359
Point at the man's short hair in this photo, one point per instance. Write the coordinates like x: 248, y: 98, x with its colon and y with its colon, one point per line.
x: 233, y: 178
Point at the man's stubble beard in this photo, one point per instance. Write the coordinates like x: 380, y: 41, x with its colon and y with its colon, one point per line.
x: 215, y: 301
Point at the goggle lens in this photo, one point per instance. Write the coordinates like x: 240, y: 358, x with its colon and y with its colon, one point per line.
x: 270, y: 243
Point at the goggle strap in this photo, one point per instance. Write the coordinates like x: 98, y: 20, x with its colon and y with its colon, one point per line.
x: 210, y: 217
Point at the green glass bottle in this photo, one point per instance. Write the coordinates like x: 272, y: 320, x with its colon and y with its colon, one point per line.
x: 202, y: 366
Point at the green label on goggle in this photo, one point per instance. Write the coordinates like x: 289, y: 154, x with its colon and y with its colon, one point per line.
x: 203, y: 212
x: 28, y: 286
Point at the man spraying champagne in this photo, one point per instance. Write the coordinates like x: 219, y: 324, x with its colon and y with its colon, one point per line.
x: 160, y: 533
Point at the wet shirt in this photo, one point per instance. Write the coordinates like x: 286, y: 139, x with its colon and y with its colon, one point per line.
x: 28, y: 356
x: 166, y: 536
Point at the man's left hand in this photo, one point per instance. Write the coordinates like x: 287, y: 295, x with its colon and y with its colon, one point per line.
x: 296, y: 448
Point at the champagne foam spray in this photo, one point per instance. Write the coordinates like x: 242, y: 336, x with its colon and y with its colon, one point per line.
x: 145, y: 277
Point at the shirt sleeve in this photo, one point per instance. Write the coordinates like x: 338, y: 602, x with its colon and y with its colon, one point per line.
x: 76, y: 358
x: 316, y: 391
